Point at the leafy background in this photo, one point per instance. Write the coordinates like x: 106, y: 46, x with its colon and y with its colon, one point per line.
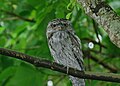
x: 23, y: 28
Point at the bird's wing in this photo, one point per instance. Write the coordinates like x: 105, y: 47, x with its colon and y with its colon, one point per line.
x: 76, y: 49
x: 66, y: 50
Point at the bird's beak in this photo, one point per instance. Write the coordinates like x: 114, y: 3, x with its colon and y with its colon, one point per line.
x: 60, y: 27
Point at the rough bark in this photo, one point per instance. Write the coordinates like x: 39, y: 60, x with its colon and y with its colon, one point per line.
x: 105, y: 16
x: 57, y: 67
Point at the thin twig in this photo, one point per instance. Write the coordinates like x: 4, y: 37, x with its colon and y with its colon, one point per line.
x: 106, y: 54
x: 10, y: 18
x: 105, y: 65
x: 19, y: 17
x: 60, y: 79
x: 95, y: 26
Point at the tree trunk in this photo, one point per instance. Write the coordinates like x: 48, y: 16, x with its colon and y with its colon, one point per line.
x: 105, y: 16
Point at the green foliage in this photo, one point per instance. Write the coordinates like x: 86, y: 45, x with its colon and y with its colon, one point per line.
x: 23, y: 27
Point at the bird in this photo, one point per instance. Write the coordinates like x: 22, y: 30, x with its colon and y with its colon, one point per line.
x: 65, y: 47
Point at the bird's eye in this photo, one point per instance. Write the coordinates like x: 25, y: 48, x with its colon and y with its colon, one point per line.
x: 65, y: 24
x: 53, y: 25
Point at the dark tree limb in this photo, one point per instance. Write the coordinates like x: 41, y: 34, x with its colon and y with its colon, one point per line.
x: 95, y: 27
x: 99, y: 61
x: 107, y: 66
x: 18, y: 16
x: 57, y: 67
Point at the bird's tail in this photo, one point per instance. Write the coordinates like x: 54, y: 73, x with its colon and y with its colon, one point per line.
x: 77, y: 81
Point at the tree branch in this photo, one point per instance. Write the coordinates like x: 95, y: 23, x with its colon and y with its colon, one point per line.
x: 105, y: 65
x: 57, y: 67
x: 95, y: 27
x: 105, y: 16
x: 19, y: 17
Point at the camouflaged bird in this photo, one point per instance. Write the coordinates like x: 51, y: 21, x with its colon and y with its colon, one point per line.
x: 65, y: 46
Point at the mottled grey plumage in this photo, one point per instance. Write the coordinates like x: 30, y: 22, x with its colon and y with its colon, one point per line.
x: 65, y: 46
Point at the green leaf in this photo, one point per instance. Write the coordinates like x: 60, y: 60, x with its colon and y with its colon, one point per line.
x: 26, y: 75
x: 6, y: 75
x: 68, y: 15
